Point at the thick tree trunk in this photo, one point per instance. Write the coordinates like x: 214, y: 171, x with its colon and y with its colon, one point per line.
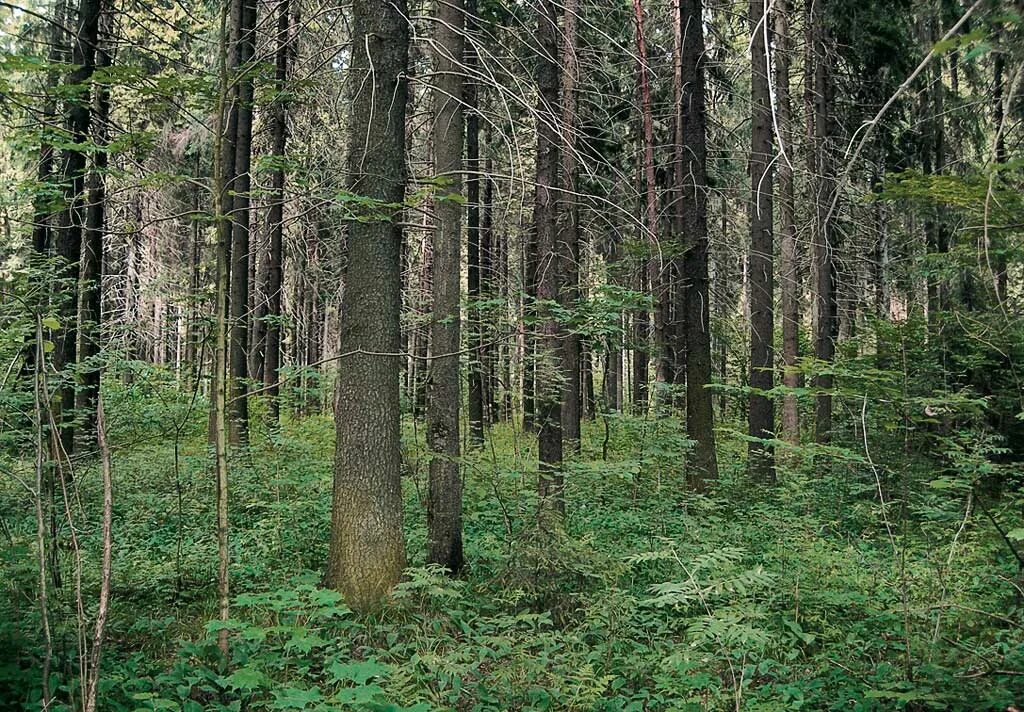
x: 789, y: 257
x: 444, y: 498
x: 367, y: 551
x: 696, y: 305
x: 761, y: 424
x: 549, y: 375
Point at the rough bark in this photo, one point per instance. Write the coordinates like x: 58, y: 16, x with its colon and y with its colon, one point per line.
x: 549, y: 376
x: 367, y: 551
x: 761, y: 423
x: 444, y: 498
x: 693, y: 209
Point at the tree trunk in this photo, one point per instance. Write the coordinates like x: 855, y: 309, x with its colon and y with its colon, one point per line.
x: 238, y: 397
x: 275, y: 219
x: 822, y: 248
x: 568, y: 234
x: 444, y: 499
x: 789, y: 257
x: 69, y: 239
x: 655, y: 276
x: 367, y: 551
x: 91, y: 268
x: 474, y: 280
x: 761, y: 424
x: 549, y: 376
x: 691, y: 177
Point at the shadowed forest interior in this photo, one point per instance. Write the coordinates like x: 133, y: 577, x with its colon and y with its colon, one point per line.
x: 585, y: 355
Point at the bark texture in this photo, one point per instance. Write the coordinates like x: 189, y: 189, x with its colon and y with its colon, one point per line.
x: 367, y: 551
x: 444, y: 498
x: 761, y: 424
x: 548, y: 375
x: 696, y: 305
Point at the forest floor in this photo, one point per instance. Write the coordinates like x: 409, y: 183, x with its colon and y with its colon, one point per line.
x: 810, y: 595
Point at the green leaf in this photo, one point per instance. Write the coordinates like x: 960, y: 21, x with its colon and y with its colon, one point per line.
x: 245, y: 679
x: 358, y: 673
x: 51, y: 323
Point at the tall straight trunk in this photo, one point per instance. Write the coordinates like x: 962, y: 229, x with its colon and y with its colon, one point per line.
x: 69, y: 237
x: 655, y: 274
x: 568, y: 233
x: 275, y: 218
x: 761, y: 424
x: 549, y: 376
x: 367, y: 551
x: 91, y: 267
x: 822, y: 260
x: 476, y: 410
x: 789, y: 256
x: 238, y: 398
x: 223, y: 174
x: 691, y: 178
x: 444, y: 498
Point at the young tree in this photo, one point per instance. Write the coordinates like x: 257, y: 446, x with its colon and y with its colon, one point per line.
x: 367, y: 550
x: 761, y: 261
x: 691, y: 179
x: 444, y: 499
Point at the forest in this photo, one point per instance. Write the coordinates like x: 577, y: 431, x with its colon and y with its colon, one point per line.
x: 470, y: 355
